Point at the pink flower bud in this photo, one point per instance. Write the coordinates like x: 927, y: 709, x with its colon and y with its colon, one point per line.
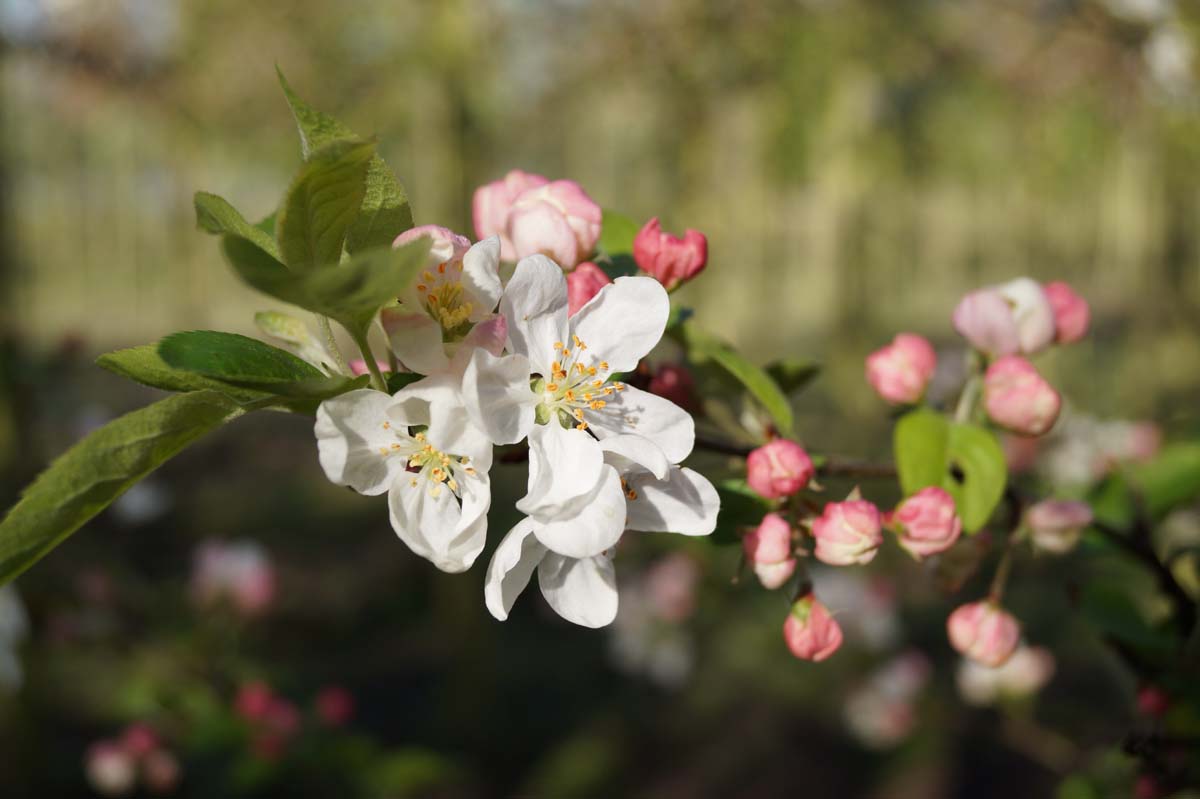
x: 447, y: 245
x: 900, y: 371
x: 1147, y: 786
x: 139, y: 739
x: 927, y: 522
x: 1071, y: 312
x: 558, y: 220
x: 1015, y: 317
x: 983, y: 632
x: 669, y: 259
x: 253, y: 701
x: 847, y: 533
x: 583, y: 284
x: 161, y: 772
x: 778, y: 469
x: 1057, y: 524
x: 1018, y: 398
x: 1032, y: 313
x: 674, y: 382
x: 768, y: 550
x: 491, y: 205
x: 358, y: 367
x: 335, y: 706
x: 1153, y: 701
x: 810, y: 632
x: 110, y: 770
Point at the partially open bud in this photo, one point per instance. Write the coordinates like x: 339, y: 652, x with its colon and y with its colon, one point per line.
x: 558, y: 220
x: 1015, y: 317
x: 847, y: 533
x: 1032, y: 312
x: 669, y: 259
x: 1056, y: 524
x: 983, y: 632
x: 447, y: 246
x: 492, y: 202
x: 583, y: 284
x: 810, y: 632
x: 926, y: 522
x: 900, y: 371
x: 1071, y: 313
x: 768, y: 550
x: 778, y: 468
x: 1019, y: 399
x: 674, y: 382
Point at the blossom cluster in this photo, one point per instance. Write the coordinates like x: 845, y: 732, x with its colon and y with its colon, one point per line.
x: 538, y: 359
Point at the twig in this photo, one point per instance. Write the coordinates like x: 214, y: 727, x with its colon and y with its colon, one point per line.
x: 1138, y: 545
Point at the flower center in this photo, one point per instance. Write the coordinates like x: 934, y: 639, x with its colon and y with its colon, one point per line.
x: 577, y: 382
x: 424, y: 461
x: 441, y: 293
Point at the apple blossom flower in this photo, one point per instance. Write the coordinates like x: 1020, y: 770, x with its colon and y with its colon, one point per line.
x: 669, y: 259
x: 1056, y: 525
x: 674, y: 382
x: 558, y: 220
x: 983, y: 632
x: 584, y: 283
x: 1024, y: 673
x: 492, y: 202
x: 1019, y: 399
x: 847, y: 532
x: 778, y: 468
x: 238, y: 571
x: 1015, y: 317
x: 900, y: 371
x: 1071, y: 312
x: 881, y: 712
x: 110, y: 770
x: 926, y: 522
x: 810, y: 631
x: 768, y: 550
x: 653, y: 496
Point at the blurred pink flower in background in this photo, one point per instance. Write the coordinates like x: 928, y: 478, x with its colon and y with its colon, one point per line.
x: 239, y: 572
x: 335, y: 706
x: 669, y: 259
x: 900, y: 371
x: 1023, y: 674
x: 492, y: 202
x: 110, y: 769
x: 810, y: 631
x: 648, y: 634
x: 778, y: 469
x: 1018, y: 398
x: 584, y: 283
x: 983, y: 632
x: 671, y: 586
x: 847, y: 533
x: 882, y: 712
x: 675, y: 382
x: 273, y: 720
x: 1071, y: 313
x: 926, y: 522
x: 866, y: 605
x: 1056, y: 524
x: 768, y: 550
x: 1014, y: 317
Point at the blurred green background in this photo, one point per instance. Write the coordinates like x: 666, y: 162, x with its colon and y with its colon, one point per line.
x: 856, y: 164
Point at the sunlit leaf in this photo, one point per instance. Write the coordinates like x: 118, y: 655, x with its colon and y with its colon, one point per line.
x: 322, y: 203
x: 760, y: 385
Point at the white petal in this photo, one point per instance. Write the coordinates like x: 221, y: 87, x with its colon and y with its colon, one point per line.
x: 416, y: 340
x: 497, y: 396
x: 1033, y: 313
x: 582, y: 591
x: 564, y: 469
x: 684, y: 503
x: 632, y: 453
x: 436, y: 402
x: 624, y: 321
x: 490, y: 333
x: 425, y: 519
x: 512, y: 565
x: 596, y: 527
x: 649, y: 415
x: 481, y: 277
x: 353, y: 431
x: 535, y: 305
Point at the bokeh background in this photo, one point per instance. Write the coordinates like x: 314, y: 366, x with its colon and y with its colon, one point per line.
x: 856, y: 164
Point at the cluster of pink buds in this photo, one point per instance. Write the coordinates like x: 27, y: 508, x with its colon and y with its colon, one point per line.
x: 984, y: 632
x: 273, y: 720
x: 114, y: 765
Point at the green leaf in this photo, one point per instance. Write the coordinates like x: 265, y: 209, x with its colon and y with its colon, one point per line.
x: 740, y: 508
x: 792, y: 374
x: 701, y: 347
x: 398, y: 380
x: 322, y: 203
x: 233, y: 358
x: 144, y: 365
x: 966, y: 460
x: 1170, y: 479
x: 99, y: 469
x: 617, y: 233
x: 351, y: 294
x: 216, y: 215
x: 385, y: 212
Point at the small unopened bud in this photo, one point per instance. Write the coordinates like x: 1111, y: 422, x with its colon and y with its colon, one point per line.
x: 847, y: 533
x: 446, y: 247
x: 983, y: 632
x: 253, y: 701
x: 768, y: 550
x: 674, y: 382
x: 669, y: 259
x: 1057, y: 524
x: 1153, y: 701
x: 926, y: 522
x: 1071, y: 313
x: 810, y: 631
x: 584, y: 283
x: 778, y: 468
x: 900, y: 371
x: 139, y: 739
x: 1019, y: 399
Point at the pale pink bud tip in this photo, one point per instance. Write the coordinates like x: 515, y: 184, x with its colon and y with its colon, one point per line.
x: 847, y: 533
x: 1015, y: 317
x: 1018, y: 398
x: 926, y: 522
x: 983, y: 632
x: 768, y: 550
x: 1056, y: 525
x: 358, y: 367
x: 558, y: 220
x: 1071, y: 313
x: 810, y: 631
x: 900, y: 371
x: 583, y: 284
x: 669, y: 259
x: 446, y: 245
x: 778, y: 469
x: 492, y: 202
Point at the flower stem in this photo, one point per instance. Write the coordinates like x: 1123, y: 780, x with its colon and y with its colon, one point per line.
x: 377, y: 380
x: 969, y: 397
x: 1000, y: 579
